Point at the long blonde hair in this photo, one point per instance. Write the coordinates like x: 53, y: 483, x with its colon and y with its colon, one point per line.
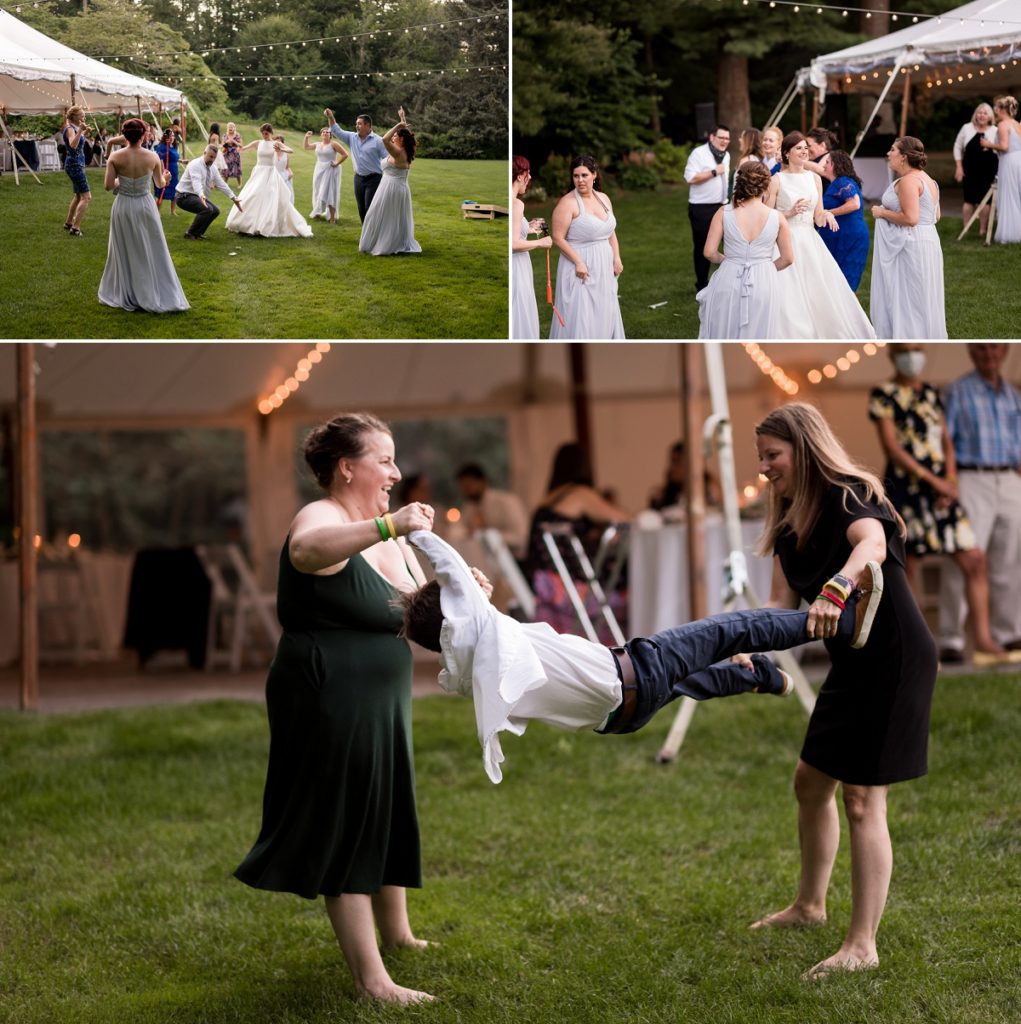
x: 819, y: 461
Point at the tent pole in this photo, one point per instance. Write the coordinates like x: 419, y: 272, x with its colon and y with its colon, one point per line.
x: 16, y: 155
x: 74, y: 88
x: 785, y: 101
x: 27, y: 511
x: 815, y: 108
x: 882, y: 96
x: 905, y: 104
x: 576, y: 355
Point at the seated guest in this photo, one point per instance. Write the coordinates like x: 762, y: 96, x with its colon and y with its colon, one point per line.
x: 572, y: 499
x: 486, y: 507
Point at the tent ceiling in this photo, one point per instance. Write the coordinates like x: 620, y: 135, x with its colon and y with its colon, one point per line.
x: 138, y: 380
x: 35, y: 76
x: 982, y: 40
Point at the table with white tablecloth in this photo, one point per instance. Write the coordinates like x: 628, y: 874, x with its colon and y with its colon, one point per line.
x: 658, y: 573
x: 83, y: 602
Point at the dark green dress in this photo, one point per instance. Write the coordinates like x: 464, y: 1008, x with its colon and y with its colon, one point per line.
x: 338, y: 812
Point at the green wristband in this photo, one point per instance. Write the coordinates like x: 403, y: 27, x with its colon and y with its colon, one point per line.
x: 381, y: 526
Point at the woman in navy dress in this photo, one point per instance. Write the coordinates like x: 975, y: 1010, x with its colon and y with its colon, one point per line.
x: 74, y: 166
x: 169, y: 158
x: 850, y: 245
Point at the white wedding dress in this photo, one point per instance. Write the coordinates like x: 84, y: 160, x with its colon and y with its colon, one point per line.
x: 266, y: 204
x: 814, y: 299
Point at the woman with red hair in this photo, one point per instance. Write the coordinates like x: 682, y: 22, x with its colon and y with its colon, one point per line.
x: 524, y: 311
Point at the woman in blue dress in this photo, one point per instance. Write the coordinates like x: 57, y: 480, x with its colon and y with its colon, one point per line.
x: 849, y: 245
x: 74, y: 133
x: 169, y: 158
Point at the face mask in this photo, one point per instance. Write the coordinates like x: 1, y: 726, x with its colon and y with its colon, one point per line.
x: 910, y: 364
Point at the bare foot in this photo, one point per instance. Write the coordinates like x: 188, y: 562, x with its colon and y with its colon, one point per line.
x: 392, y: 993
x: 790, y: 917
x: 409, y: 942
x: 840, y: 962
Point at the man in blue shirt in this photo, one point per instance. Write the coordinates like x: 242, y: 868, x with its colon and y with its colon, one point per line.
x: 367, y: 153
x: 984, y: 422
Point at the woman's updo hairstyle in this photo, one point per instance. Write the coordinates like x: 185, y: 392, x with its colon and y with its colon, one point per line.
x: 790, y: 140
x: 408, y: 142
x: 133, y: 129
x: 590, y: 163
x: 752, y: 180
x: 343, y: 437
x: 1007, y: 103
x: 913, y: 151
x: 520, y: 166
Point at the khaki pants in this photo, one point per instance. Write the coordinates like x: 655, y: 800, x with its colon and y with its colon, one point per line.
x: 993, y: 504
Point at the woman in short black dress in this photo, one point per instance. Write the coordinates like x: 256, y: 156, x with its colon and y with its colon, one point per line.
x: 829, y: 520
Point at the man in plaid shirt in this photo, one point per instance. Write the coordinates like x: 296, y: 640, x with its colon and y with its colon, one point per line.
x: 984, y: 420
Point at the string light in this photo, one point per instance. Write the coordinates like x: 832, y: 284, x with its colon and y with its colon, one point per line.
x: 290, y: 385
x: 206, y: 50
x: 177, y: 79
x: 830, y: 371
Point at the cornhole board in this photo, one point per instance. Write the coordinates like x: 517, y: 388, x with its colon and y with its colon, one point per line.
x: 482, y: 211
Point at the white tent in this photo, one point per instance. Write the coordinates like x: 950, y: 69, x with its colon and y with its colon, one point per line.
x: 38, y: 75
x: 974, y: 50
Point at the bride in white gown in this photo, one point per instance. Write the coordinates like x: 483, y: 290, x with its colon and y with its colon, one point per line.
x: 814, y: 299
x: 265, y: 206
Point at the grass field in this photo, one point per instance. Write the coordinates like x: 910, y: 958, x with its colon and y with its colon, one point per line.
x: 244, y: 287
x: 655, y: 248
x: 590, y: 886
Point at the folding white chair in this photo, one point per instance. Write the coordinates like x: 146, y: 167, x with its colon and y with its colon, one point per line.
x: 236, y: 599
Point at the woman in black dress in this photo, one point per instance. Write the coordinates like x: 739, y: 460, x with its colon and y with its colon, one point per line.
x: 338, y: 813
x: 830, y: 526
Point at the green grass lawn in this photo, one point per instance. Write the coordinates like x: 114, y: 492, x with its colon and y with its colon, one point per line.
x: 590, y: 886
x: 243, y: 287
x: 655, y: 248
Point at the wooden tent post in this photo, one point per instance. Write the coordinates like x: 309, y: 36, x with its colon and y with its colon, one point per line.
x: 905, y: 104
x: 27, y: 511
x: 579, y: 397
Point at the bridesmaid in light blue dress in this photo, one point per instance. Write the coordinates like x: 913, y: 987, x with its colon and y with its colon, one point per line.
x: 584, y: 230
x: 907, y: 261
x: 389, y: 225
x: 524, y: 311
x: 139, y: 273
x: 1008, y: 178
x: 740, y: 302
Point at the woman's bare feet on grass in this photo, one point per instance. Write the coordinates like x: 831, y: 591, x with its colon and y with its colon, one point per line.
x: 409, y: 942
x: 791, y: 917
x: 391, y: 993
x: 841, y: 962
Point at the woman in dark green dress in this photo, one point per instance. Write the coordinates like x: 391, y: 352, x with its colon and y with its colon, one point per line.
x: 831, y: 529
x: 338, y: 816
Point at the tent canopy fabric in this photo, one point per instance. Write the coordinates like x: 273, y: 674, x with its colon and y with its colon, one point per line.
x: 35, y: 77
x: 972, y: 43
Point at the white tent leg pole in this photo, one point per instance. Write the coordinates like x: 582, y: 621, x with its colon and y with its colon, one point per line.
x: 875, y: 109
x: 978, y: 211
x: 737, y: 577
x: 16, y: 156
x: 992, y: 214
x: 785, y: 101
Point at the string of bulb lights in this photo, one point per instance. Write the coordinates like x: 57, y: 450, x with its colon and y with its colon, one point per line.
x: 302, y: 371
x: 816, y: 375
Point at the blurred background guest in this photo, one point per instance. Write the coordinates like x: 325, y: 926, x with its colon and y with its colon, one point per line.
x: 1008, y: 177
x: 772, y: 137
x: 572, y: 499
x: 849, y: 245
x: 921, y: 481
x: 484, y: 507
x: 750, y: 149
x: 73, y: 135
x: 232, y: 143
x: 984, y: 420
x: 975, y: 166
x: 524, y: 311
x: 671, y: 491
x: 169, y: 158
